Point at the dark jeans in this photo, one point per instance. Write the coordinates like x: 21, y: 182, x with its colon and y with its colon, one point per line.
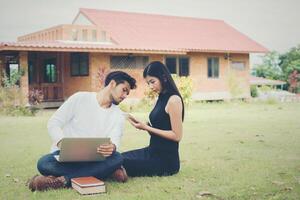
x: 142, y: 162
x: 48, y: 165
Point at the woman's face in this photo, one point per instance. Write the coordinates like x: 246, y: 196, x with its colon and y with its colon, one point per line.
x: 154, y: 83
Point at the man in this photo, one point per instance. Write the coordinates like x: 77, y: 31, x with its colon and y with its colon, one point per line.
x: 87, y: 114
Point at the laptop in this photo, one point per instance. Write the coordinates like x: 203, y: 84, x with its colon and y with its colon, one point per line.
x: 80, y: 149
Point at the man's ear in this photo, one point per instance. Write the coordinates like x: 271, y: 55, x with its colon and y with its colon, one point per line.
x: 112, y: 84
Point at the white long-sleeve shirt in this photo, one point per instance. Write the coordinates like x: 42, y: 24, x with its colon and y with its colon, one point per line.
x: 82, y: 116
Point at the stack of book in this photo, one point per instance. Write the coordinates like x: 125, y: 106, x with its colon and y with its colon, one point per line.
x: 88, y: 185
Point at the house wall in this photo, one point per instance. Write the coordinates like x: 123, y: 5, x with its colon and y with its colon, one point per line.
x: 100, y: 63
x: 204, y: 88
x: 231, y: 82
x: 72, y: 84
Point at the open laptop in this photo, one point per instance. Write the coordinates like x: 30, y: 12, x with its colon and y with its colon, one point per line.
x: 80, y: 149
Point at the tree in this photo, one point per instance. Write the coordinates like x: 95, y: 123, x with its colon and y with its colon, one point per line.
x: 290, y: 65
x: 270, y: 67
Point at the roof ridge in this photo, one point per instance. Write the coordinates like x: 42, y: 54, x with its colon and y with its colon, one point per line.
x: 151, y: 14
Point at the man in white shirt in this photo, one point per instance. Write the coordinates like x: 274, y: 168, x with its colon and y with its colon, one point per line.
x: 86, y: 114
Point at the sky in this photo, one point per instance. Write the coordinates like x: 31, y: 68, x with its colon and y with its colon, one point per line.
x: 274, y: 24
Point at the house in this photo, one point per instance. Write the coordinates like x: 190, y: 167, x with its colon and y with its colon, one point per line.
x: 260, y: 81
x: 67, y: 58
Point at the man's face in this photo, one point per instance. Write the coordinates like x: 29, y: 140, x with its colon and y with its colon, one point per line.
x: 120, y: 92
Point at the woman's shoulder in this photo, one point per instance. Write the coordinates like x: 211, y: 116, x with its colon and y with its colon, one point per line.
x: 174, y: 99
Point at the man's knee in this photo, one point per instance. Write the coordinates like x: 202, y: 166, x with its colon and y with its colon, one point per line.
x: 44, y: 165
x: 117, y: 158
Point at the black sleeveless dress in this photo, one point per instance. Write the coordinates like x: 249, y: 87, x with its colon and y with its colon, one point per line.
x: 161, y: 157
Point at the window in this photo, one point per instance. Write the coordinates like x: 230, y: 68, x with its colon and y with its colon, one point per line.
x: 182, y: 68
x: 103, y: 36
x: 74, y: 34
x: 213, y: 67
x: 79, y: 64
x: 50, y: 71
x: 84, y: 34
x: 171, y: 64
x: 238, y: 65
x: 94, y: 35
x: 31, y: 72
x: 121, y: 62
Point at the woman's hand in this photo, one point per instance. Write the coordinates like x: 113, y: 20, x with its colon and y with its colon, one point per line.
x: 136, y: 123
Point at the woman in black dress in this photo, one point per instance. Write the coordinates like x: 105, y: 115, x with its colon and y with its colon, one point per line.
x: 161, y: 157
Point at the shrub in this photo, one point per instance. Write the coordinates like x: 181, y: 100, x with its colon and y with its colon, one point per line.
x: 253, y: 91
x: 184, y: 85
x: 11, y: 96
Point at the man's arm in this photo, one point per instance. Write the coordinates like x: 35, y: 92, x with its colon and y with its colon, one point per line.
x: 117, y: 132
x: 61, y: 116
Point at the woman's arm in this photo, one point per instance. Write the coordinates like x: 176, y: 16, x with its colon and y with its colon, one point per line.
x: 174, y: 109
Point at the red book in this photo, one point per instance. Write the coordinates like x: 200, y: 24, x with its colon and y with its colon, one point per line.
x: 88, y: 185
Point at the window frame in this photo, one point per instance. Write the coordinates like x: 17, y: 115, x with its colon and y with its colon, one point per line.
x: 213, y: 75
x: 50, y: 61
x: 79, y: 62
x: 178, y: 68
x: 238, y: 62
x: 144, y: 60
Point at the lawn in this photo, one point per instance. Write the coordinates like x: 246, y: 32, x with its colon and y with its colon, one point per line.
x: 229, y: 151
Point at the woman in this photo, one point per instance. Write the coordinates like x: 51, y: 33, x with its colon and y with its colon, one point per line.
x: 161, y: 157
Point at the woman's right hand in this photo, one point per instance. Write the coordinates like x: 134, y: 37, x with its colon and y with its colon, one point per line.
x: 136, y: 123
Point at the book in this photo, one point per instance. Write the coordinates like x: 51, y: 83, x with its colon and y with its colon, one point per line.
x: 88, y: 185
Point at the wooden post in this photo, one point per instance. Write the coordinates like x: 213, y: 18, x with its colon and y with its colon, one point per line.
x: 23, y: 56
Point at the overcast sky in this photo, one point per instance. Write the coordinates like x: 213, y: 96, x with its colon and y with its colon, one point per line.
x: 273, y: 23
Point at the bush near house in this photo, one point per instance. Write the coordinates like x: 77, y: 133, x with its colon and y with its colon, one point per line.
x: 11, y: 96
x: 253, y: 91
x: 184, y: 85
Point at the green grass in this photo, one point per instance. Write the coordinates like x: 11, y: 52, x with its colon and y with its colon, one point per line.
x: 232, y: 150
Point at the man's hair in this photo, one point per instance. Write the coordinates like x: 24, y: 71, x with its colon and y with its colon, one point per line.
x: 120, y: 77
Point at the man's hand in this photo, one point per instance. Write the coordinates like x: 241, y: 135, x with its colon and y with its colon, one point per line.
x: 106, y: 149
x: 59, y: 144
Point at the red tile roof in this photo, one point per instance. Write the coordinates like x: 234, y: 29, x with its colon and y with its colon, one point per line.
x: 136, y: 30
x: 80, y: 47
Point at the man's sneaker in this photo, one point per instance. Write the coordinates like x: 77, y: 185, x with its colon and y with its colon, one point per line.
x: 42, y: 183
x: 120, y: 175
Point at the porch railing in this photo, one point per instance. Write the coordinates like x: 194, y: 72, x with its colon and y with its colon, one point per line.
x: 51, y: 91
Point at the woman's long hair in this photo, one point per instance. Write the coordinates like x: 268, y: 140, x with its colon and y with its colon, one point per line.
x: 160, y: 71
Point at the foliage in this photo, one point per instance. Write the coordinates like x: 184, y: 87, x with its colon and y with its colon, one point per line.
x: 253, y: 91
x: 290, y: 65
x: 12, y: 100
x: 184, y: 85
x: 270, y: 67
x: 35, y: 97
x: 15, y: 76
x: 290, y: 61
x: 280, y: 67
x: 265, y: 88
x: 149, y: 97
